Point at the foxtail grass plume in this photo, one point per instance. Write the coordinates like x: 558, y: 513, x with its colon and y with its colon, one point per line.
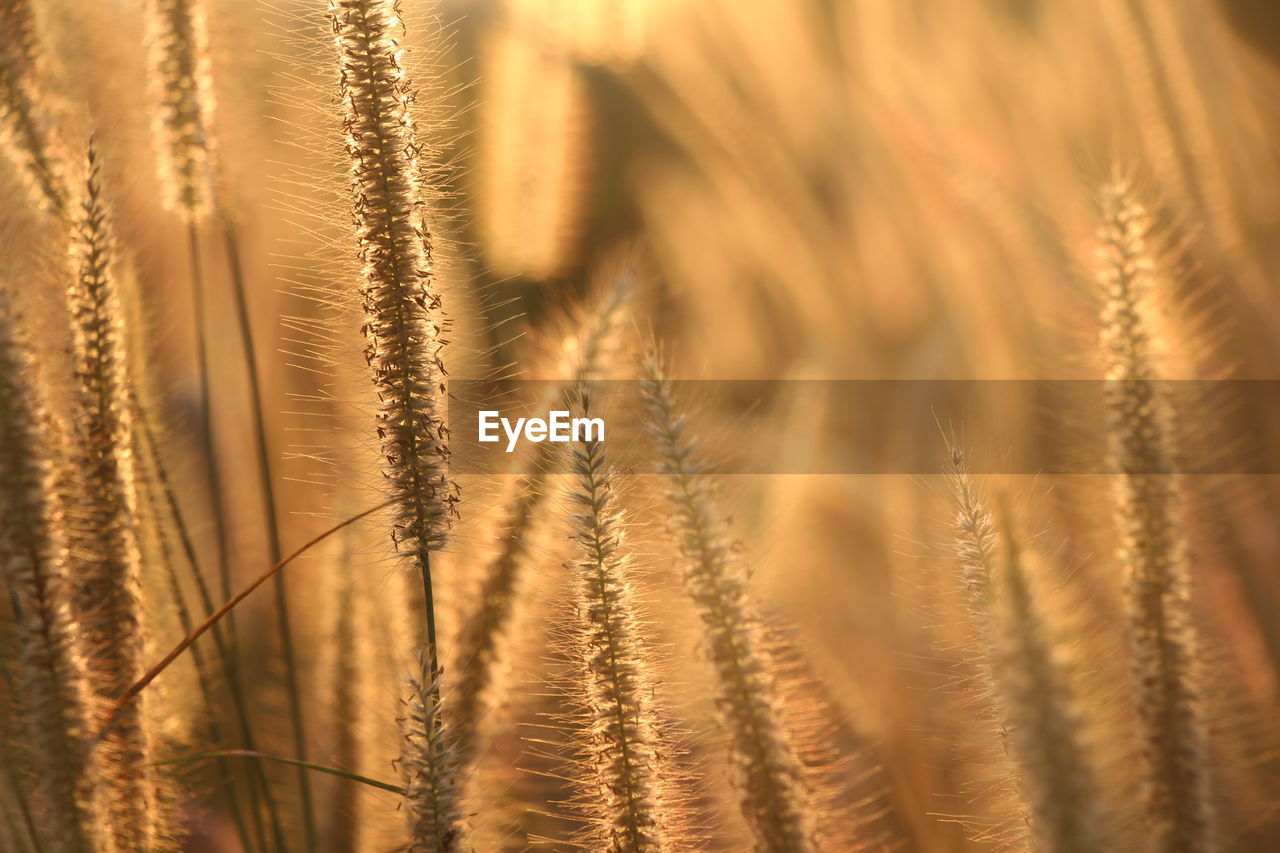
x: 51, y: 671
x: 183, y: 94
x: 428, y: 762
x: 974, y: 538
x: 630, y: 799
x: 24, y: 131
x: 102, y: 548
x: 404, y: 322
x: 773, y: 796
x: 586, y: 353
x: 1041, y: 716
x: 1153, y: 550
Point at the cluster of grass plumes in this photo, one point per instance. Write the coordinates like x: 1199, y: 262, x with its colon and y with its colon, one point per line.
x: 585, y: 353
x: 54, y: 692
x: 1153, y: 548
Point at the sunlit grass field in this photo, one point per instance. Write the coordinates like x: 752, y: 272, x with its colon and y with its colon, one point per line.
x: 936, y: 346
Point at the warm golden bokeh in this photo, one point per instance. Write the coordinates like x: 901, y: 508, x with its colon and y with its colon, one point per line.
x: 959, y: 632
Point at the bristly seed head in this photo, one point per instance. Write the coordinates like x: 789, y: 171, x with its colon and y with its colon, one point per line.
x: 630, y: 801
x: 774, y: 798
x: 183, y: 93
x: 1153, y: 549
x: 52, y: 672
x: 404, y: 325
x: 101, y: 517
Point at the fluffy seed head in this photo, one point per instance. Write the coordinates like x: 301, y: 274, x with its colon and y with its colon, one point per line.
x: 404, y: 322
x: 629, y: 798
x: 102, y: 548
x: 428, y: 760
x: 1152, y: 549
x: 774, y: 800
x: 52, y: 673
x: 183, y: 96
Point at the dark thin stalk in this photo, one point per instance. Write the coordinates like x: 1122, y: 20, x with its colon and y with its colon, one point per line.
x: 305, y: 765
x: 202, y: 672
x: 273, y: 529
x: 206, y: 420
x: 230, y: 666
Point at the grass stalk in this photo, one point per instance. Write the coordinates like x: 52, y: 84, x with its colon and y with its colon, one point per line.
x: 270, y: 522
x: 23, y: 130
x: 230, y: 666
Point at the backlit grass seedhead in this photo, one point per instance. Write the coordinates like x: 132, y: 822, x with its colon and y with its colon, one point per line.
x: 630, y: 797
x: 1152, y: 550
x: 773, y: 796
x: 404, y: 321
x: 51, y: 670
x: 183, y: 95
x: 101, y: 535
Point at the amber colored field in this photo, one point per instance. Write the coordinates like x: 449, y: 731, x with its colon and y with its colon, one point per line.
x: 259, y: 596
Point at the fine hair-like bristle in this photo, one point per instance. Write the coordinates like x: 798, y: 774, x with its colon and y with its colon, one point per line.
x: 183, y: 95
x: 629, y: 810
x: 102, y: 548
x: 52, y: 671
x: 1041, y: 716
x: 23, y: 130
x: 773, y: 796
x: 1152, y: 549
